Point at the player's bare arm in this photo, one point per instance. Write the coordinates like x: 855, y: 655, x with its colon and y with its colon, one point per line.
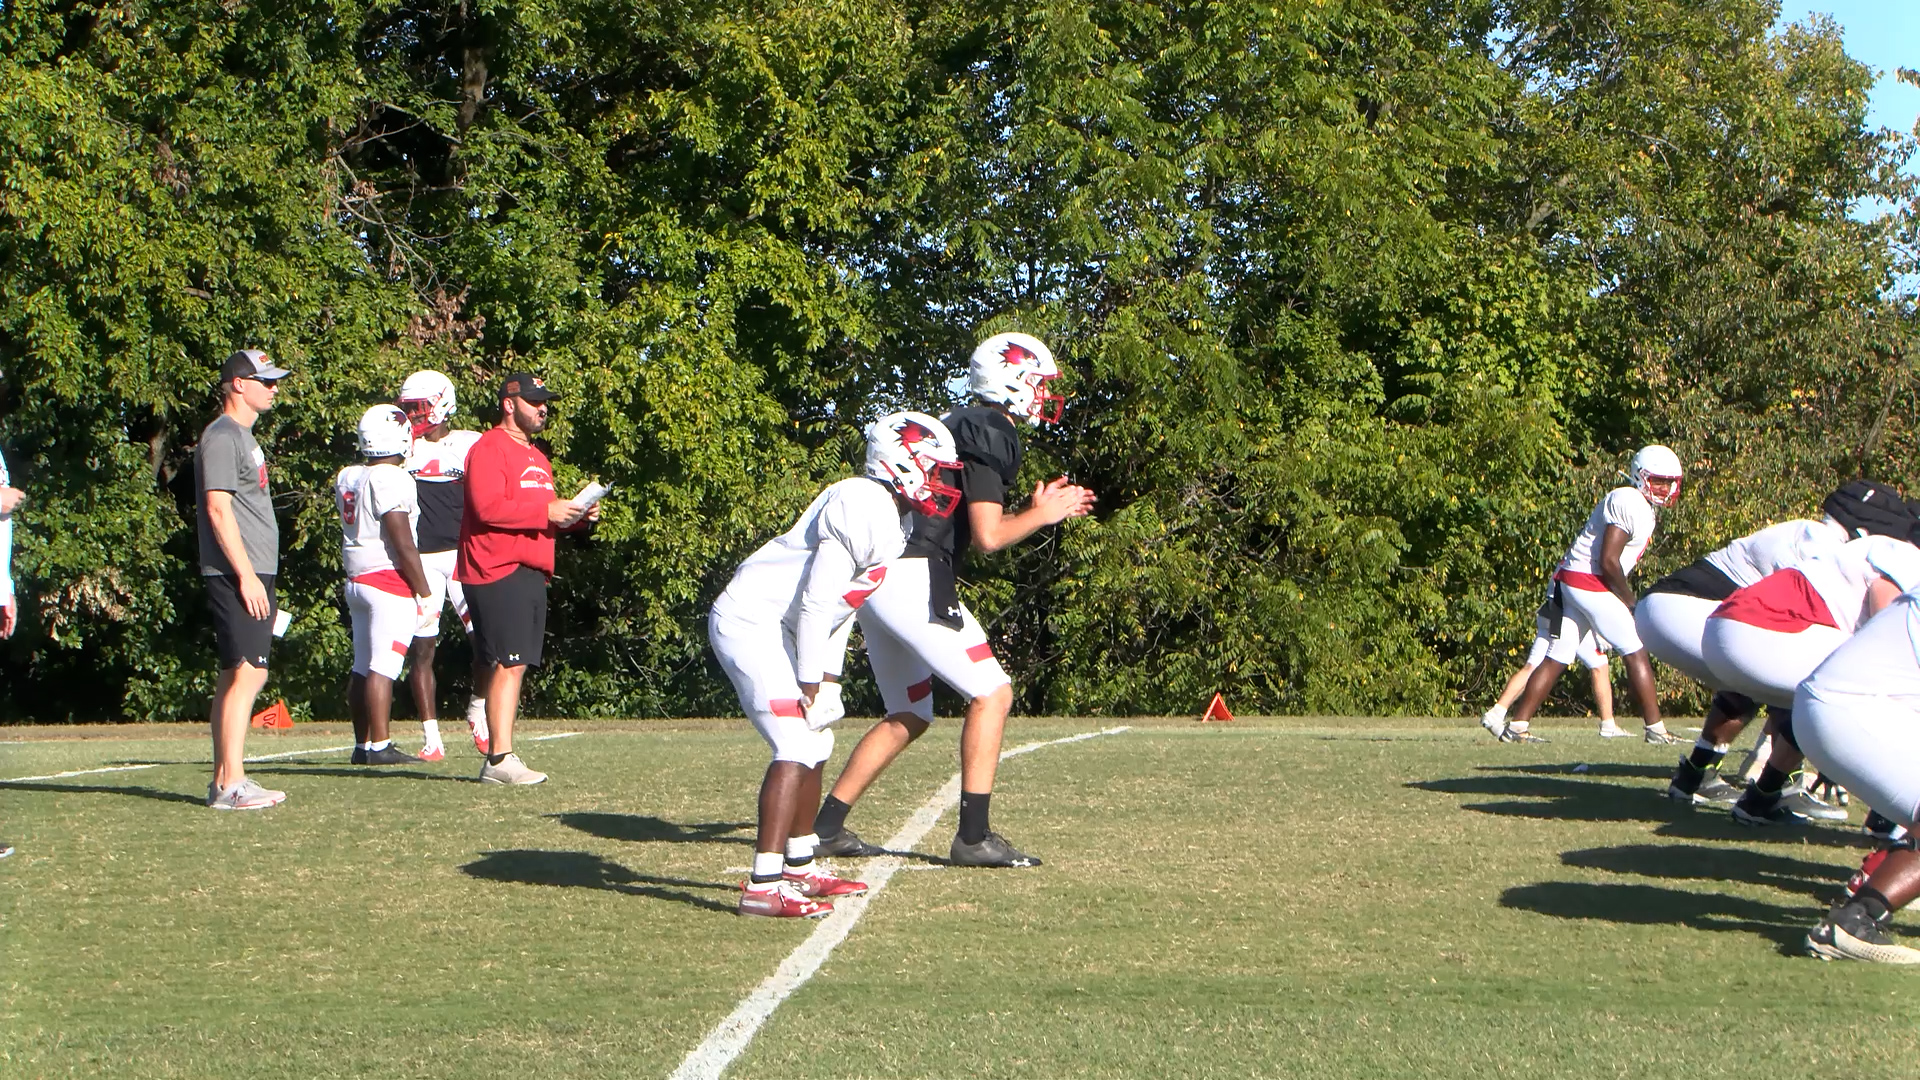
x: 226, y: 533
x: 406, y: 555
x: 1612, y: 543
x: 1053, y: 502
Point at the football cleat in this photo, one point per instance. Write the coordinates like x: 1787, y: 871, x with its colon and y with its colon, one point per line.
x: 477, y: 727
x: 1881, y: 827
x: 1848, y: 934
x: 847, y: 844
x: 389, y: 755
x: 1716, y: 791
x: 782, y: 901
x: 1767, y: 812
x: 433, y: 753
x: 1808, y: 805
x: 358, y: 757
x: 992, y: 850
x: 1509, y: 733
x: 1611, y: 730
x: 813, y: 881
x: 1660, y: 737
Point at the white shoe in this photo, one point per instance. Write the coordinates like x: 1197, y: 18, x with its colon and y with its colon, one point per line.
x: 511, y: 770
x: 1611, y: 730
x: 1660, y: 736
x: 1496, y: 725
x: 1805, y: 803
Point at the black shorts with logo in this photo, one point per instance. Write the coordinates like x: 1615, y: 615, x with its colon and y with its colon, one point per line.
x: 239, y: 637
x: 509, y: 618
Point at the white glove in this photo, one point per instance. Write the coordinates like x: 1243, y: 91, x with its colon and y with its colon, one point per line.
x: 826, y: 707
x: 424, y: 621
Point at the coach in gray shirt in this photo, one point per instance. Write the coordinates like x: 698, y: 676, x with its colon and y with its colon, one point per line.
x: 239, y: 554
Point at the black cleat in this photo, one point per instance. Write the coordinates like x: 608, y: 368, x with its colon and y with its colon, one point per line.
x: 1763, y: 811
x: 992, y: 850
x: 847, y: 844
x: 389, y: 755
x: 358, y: 757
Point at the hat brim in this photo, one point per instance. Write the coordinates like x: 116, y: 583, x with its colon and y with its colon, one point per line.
x: 268, y: 371
x: 536, y: 396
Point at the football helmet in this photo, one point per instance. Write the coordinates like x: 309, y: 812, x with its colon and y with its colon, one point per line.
x: 1656, y: 472
x: 910, y: 451
x: 427, y: 397
x: 384, y: 432
x: 1013, y: 370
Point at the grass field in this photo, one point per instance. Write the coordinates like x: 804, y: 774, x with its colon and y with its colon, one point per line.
x: 1299, y: 898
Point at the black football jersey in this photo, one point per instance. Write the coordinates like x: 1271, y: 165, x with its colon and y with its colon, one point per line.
x: 989, y: 446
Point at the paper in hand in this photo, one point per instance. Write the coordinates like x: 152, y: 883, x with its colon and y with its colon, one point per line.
x: 591, y: 494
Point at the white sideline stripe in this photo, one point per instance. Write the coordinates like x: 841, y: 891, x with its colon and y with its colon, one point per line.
x: 730, y: 1037
x: 157, y: 764
x: 562, y: 735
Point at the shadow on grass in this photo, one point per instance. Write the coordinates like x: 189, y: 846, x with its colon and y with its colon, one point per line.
x: 580, y: 869
x: 641, y: 829
x: 1594, y: 769
x: 1704, y: 824
x: 356, y: 771
x: 1689, y: 862
x: 1652, y: 905
x: 1578, y: 800
x: 108, y: 789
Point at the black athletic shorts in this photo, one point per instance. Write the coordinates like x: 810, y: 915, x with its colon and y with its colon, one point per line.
x: 239, y: 637
x: 509, y: 618
x: 1700, y: 579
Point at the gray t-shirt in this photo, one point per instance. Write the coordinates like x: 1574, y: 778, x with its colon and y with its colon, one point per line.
x: 228, y: 459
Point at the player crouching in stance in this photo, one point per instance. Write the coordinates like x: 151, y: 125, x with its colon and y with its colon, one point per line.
x: 1770, y: 636
x: 1857, y: 717
x: 1672, y: 616
x: 438, y: 465
x: 378, y: 510
x: 1594, y: 597
x: 781, y: 627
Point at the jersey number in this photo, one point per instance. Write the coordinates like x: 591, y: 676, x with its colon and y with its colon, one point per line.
x: 349, y: 508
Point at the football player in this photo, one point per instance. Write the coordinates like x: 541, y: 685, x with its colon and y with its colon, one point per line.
x: 378, y: 511
x: 1591, y: 593
x: 1768, y: 637
x: 1857, y: 717
x: 916, y: 627
x: 1591, y: 651
x: 438, y: 464
x: 1672, y: 616
x: 781, y: 627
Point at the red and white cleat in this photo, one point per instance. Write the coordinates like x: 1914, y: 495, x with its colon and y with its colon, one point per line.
x: 481, y: 737
x: 817, y: 882
x: 782, y: 901
x: 433, y: 753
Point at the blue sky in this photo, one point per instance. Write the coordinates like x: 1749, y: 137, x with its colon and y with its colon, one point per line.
x: 1884, y: 35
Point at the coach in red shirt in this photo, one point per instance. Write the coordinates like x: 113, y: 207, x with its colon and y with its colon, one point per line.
x: 506, y: 557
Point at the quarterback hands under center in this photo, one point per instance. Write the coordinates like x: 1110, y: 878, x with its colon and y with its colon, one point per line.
x: 1059, y: 499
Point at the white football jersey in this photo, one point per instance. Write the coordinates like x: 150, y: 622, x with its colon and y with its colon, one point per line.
x: 813, y: 577
x: 1881, y: 660
x: 1625, y: 507
x: 1843, y: 576
x: 1776, y: 547
x: 362, y: 494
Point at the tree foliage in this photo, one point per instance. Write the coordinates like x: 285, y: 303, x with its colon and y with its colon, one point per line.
x: 1363, y: 303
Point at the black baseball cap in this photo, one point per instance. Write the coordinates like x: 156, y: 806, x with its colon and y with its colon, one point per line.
x: 250, y: 364
x: 527, y: 387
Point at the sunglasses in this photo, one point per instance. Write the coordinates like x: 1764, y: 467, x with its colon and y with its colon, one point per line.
x: 268, y: 383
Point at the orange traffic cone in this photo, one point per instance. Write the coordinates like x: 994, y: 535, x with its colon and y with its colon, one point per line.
x: 1217, y: 709
x: 274, y: 716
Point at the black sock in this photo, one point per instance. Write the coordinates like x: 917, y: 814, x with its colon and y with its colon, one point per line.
x: 495, y: 759
x: 973, y: 816
x: 763, y: 879
x: 1770, y: 782
x: 1705, y: 757
x: 832, y: 817
x: 797, y: 864
x: 1873, y: 902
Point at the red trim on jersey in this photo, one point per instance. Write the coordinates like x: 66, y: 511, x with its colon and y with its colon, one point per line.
x: 919, y: 691
x: 387, y: 581
x: 1580, y: 579
x: 856, y: 597
x: 982, y: 651
x: 1785, y: 601
x: 788, y: 707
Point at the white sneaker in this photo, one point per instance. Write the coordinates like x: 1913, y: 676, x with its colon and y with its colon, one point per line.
x: 1804, y: 802
x: 511, y: 770
x: 1612, y: 730
x: 245, y: 795
x: 1660, y: 736
x: 1496, y: 724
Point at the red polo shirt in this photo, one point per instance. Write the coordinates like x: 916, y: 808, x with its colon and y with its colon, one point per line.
x: 504, y: 525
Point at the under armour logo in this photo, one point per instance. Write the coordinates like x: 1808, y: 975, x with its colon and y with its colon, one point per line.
x: 513, y: 656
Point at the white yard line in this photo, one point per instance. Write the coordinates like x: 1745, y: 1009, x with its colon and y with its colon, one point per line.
x: 730, y: 1037
x: 157, y: 764
x: 562, y: 735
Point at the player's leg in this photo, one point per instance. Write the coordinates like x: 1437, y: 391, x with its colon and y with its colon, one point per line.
x: 390, y: 622
x: 242, y: 644
x: 1696, y: 779
x: 233, y: 696
x: 1608, y: 617
x: 480, y: 672
x: 906, y: 692
x: 1495, y: 718
x: 422, y: 684
x: 1602, y: 676
x: 1871, y: 745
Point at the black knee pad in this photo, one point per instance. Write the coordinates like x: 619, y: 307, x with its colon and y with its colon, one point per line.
x: 1736, y: 705
x: 1780, y: 722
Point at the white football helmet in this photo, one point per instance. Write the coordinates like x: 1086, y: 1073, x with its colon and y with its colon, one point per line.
x: 1013, y: 370
x: 909, y: 451
x: 427, y: 397
x: 384, y: 432
x: 1656, y: 472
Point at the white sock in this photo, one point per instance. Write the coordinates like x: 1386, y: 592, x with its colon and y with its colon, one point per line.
x: 800, y: 849
x: 363, y: 746
x: 1703, y: 743
x: 381, y: 745
x: 430, y: 730
x: 477, y: 712
x: 767, y: 864
x: 1659, y: 726
x: 1519, y: 725
x: 1496, y: 714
